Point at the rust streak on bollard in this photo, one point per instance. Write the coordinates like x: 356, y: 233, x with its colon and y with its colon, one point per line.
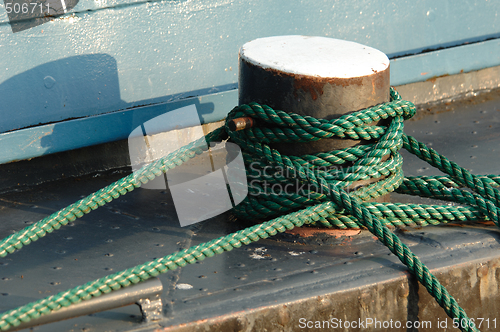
x: 241, y: 123
x: 317, y: 76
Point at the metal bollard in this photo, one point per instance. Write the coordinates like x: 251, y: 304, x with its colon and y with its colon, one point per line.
x: 317, y: 76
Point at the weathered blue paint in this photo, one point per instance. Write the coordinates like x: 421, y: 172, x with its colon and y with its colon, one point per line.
x: 72, y: 134
x: 112, y: 55
x: 69, y: 88
x: 449, y: 61
x: 160, y: 49
x: 73, y: 87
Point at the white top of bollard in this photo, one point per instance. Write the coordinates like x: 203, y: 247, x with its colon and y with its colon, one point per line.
x: 314, y: 56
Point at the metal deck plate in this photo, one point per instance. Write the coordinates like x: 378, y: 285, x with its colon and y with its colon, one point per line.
x: 239, y: 286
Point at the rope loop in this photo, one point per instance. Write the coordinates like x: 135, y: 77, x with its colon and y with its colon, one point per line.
x: 305, y: 180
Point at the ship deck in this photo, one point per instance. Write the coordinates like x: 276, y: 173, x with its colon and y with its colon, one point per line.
x: 273, y: 283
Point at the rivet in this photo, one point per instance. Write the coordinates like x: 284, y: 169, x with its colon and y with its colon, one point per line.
x: 404, y: 292
x: 49, y: 82
x: 482, y: 271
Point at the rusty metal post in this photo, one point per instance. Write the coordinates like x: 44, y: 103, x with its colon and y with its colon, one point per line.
x: 318, y: 76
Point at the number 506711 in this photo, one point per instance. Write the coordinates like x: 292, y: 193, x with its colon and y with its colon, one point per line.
x: 26, y: 8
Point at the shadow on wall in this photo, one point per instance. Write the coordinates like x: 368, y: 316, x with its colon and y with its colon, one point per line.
x: 55, y: 91
x: 79, y: 88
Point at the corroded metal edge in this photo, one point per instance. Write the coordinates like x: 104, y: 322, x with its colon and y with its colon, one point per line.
x: 146, y: 294
x: 451, y: 87
x: 399, y: 299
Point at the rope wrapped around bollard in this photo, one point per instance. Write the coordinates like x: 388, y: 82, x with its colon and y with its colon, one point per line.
x: 329, y: 202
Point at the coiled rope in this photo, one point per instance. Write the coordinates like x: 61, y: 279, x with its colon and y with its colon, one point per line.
x: 325, y: 201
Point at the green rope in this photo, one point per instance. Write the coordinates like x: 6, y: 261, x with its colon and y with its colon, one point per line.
x: 323, y: 194
x: 105, y: 195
